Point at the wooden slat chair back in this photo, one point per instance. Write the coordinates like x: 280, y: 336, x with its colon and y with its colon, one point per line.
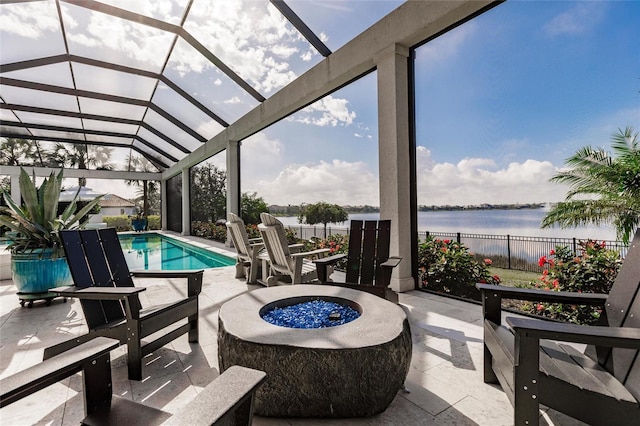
x: 599, y: 386
x: 239, y: 236
x: 111, y: 302
x: 79, y: 248
x: 275, y: 240
x: 286, y: 266
x: 368, y: 249
x: 623, y: 310
x: 247, y: 250
x: 369, y: 265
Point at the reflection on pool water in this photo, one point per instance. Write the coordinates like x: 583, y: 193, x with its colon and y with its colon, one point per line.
x: 155, y: 251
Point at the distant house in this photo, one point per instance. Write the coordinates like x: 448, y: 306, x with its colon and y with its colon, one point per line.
x: 113, y: 205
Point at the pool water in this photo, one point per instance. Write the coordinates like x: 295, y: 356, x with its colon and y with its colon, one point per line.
x: 156, y: 251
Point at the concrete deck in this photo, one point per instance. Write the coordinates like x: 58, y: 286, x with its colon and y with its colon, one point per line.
x: 445, y: 380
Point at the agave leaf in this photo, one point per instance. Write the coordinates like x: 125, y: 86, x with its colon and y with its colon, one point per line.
x: 15, y: 210
x: 68, y: 211
x: 79, y: 216
x: 29, y: 196
x: 50, y: 195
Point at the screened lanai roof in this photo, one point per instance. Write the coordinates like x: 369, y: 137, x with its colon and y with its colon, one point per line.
x: 156, y: 77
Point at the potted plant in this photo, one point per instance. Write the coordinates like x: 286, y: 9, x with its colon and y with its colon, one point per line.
x: 37, y: 256
x: 139, y: 222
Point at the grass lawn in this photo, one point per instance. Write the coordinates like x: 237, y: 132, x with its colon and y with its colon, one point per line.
x: 511, y: 277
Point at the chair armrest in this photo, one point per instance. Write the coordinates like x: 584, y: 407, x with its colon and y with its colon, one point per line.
x: 165, y: 273
x: 619, y: 337
x: 232, y: 391
x: 329, y: 260
x: 310, y: 253
x: 295, y: 248
x: 492, y: 296
x: 99, y: 293
x: 50, y: 371
x: 194, y: 282
x: 392, y: 262
x: 538, y: 295
x: 255, y: 240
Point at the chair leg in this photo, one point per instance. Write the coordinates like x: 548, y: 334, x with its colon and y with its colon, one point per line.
x: 253, y: 272
x: 244, y: 412
x: 240, y: 270
x: 489, y: 374
x: 193, y: 328
x: 526, y: 370
x: 98, y: 390
x: 134, y: 351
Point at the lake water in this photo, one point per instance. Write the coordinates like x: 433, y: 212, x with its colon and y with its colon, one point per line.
x: 522, y: 222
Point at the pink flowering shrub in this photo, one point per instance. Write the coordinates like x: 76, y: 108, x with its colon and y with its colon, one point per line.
x: 336, y: 243
x: 593, y: 270
x: 447, y: 266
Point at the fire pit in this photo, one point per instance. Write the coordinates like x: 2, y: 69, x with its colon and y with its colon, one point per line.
x: 349, y: 370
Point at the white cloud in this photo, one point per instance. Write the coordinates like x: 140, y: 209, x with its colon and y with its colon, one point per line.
x: 579, y: 19
x: 478, y: 180
x: 283, y: 51
x: 338, y: 181
x: 234, y: 100
x: 333, y: 111
x: 218, y: 82
x: 252, y: 38
x: 31, y: 20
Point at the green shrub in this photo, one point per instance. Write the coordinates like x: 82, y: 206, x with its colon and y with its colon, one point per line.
x: 153, y: 222
x: 209, y: 230
x: 121, y: 223
x: 446, y: 266
x: 591, y: 271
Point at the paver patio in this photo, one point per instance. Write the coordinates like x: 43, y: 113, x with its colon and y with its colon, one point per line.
x: 444, y: 383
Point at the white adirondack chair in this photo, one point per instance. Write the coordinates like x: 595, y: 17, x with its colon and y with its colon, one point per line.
x: 247, y: 249
x: 285, y: 265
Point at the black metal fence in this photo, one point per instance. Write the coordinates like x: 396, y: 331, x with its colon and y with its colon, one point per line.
x: 505, y: 251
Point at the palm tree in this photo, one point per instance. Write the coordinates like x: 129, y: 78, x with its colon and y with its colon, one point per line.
x: 79, y: 156
x: 141, y: 164
x: 20, y: 152
x: 604, y: 188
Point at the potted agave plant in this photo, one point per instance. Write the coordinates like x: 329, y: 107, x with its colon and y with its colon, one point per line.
x: 37, y: 256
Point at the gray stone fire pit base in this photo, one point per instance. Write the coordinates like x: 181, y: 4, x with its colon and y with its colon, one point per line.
x: 350, y: 370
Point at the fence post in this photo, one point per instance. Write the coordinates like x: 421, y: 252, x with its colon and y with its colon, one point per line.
x: 575, y: 247
x: 458, y: 239
x: 508, y: 251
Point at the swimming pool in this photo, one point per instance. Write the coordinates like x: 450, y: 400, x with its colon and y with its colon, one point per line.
x: 156, y: 251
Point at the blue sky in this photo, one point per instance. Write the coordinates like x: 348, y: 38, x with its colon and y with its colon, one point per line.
x: 501, y: 102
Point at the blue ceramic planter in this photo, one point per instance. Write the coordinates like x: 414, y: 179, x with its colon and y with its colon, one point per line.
x: 37, y: 272
x: 138, y: 224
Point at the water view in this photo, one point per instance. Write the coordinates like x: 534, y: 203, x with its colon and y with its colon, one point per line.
x: 523, y: 222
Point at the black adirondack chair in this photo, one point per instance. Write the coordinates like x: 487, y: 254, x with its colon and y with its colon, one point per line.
x: 369, y: 266
x: 600, y: 386
x: 110, y: 301
x: 226, y: 400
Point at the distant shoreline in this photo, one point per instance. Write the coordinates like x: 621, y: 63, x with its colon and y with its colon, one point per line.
x: 294, y: 210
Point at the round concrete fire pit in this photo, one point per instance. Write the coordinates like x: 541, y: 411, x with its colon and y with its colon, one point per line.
x: 350, y: 370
